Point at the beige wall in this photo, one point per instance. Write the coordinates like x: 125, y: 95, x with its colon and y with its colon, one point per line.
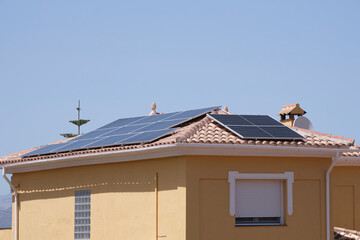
x: 193, y: 199
x: 346, y: 197
x: 5, y: 234
x: 123, y: 200
x: 208, y: 215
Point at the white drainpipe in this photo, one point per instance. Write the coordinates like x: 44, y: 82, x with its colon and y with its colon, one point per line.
x: 16, y: 204
x: 328, y: 231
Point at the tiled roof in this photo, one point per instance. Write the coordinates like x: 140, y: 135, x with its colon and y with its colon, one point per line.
x: 292, y: 109
x: 209, y: 132
x: 17, y: 155
x: 345, y: 234
x: 324, y: 136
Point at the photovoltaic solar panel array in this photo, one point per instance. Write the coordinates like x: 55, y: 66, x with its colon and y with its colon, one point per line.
x: 126, y: 131
x: 256, y: 127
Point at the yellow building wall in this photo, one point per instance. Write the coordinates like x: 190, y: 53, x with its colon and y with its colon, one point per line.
x: 208, y: 216
x: 346, y: 197
x: 6, y: 234
x: 123, y: 200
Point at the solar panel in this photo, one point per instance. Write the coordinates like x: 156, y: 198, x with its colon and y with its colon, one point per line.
x: 281, y: 132
x: 231, y: 120
x: 46, y: 149
x: 256, y: 127
x: 262, y: 120
x: 250, y: 131
x: 126, y: 131
x: 148, y: 136
x: 112, y: 140
x: 122, y: 122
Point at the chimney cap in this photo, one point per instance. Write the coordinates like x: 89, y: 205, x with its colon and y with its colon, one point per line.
x: 292, y: 109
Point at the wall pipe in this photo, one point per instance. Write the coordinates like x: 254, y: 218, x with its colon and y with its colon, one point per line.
x: 16, y: 203
x: 334, y: 159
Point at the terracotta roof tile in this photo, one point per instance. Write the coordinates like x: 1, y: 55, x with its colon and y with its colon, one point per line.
x: 292, y: 109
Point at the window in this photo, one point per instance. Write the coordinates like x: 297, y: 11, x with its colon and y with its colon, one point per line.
x: 258, y: 202
x: 257, y: 199
x: 82, y: 214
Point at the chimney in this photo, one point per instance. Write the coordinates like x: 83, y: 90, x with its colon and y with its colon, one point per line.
x: 289, y: 112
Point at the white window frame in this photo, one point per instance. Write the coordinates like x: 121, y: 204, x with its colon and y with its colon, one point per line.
x: 287, y: 176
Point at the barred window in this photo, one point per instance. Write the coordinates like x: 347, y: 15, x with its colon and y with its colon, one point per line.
x: 82, y: 214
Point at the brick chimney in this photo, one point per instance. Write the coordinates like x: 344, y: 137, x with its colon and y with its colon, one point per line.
x: 288, y: 113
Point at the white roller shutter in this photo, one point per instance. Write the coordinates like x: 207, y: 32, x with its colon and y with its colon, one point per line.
x: 258, y: 199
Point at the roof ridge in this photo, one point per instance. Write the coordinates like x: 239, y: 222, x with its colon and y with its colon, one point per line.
x: 324, y: 134
x: 189, y: 133
x: 290, y: 105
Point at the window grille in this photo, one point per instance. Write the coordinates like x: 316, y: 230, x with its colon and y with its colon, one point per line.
x: 82, y: 214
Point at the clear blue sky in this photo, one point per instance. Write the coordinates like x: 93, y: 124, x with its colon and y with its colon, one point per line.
x: 119, y: 56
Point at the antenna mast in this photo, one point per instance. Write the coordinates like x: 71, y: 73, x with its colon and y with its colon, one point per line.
x: 78, y: 109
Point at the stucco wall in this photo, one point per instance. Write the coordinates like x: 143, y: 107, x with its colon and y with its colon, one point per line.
x: 5, y: 234
x: 123, y: 200
x: 346, y: 197
x: 208, y: 215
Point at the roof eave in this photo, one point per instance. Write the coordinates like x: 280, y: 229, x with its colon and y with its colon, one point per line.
x: 170, y: 150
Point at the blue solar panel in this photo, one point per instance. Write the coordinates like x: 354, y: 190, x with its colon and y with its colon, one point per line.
x: 262, y: 120
x: 191, y: 114
x: 122, y: 122
x: 94, y: 134
x: 162, y: 125
x: 127, y: 131
x: 113, y: 140
x: 256, y: 127
x: 45, y: 150
x: 250, y: 132
x: 74, y: 145
x: 231, y: 120
x: 148, y: 136
x: 281, y: 132
x: 155, y: 118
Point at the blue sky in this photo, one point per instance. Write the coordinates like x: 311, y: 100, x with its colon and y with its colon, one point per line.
x: 119, y: 56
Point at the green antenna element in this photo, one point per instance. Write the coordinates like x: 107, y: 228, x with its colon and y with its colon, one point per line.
x: 79, y: 122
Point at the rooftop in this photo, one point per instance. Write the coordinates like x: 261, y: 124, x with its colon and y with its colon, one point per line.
x: 205, y: 130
